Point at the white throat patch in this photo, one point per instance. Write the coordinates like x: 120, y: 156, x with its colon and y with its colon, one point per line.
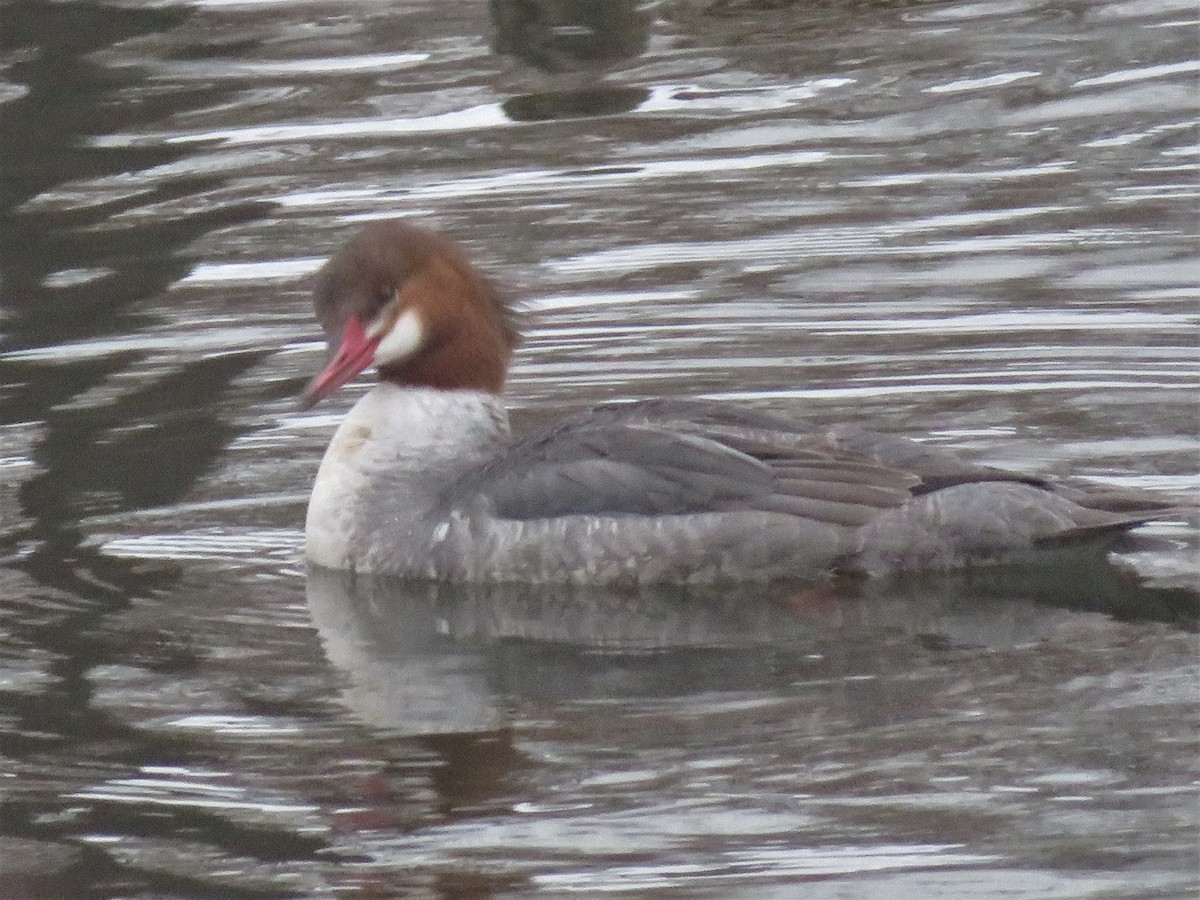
x: 402, y: 340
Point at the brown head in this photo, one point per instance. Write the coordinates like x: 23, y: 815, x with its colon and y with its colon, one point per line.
x: 408, y: 301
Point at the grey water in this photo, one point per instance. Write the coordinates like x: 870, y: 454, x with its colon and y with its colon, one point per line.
x: 970, y: 222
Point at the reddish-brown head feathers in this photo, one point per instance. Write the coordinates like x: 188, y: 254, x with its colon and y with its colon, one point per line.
x: 434, y: 320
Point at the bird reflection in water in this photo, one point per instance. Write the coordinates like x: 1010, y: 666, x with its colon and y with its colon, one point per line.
x: 433, y: 658
x: 451, y: 670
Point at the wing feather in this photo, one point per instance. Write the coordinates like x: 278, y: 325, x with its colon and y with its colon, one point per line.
x: 680, y: 457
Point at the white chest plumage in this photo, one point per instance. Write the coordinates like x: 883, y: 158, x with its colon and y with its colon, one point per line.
x: 390, y: 465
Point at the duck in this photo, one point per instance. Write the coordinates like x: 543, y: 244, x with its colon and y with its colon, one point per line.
x: 423, y: 478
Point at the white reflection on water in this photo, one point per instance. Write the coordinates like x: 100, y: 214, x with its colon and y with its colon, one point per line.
x: 556, y: 180
x: 487, y: 115
x: 289, y: 68
x: 977, y: 84
x: 782, y: 862
x: 1143, y: 73
x: 282, y: 544
x: 193, y: 340
x: 252, y: 272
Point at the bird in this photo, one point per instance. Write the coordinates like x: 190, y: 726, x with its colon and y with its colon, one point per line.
x: 423, y: 478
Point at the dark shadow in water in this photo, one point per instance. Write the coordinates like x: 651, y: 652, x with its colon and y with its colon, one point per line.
x: 1070, y: 578
x: 140, y: 449
x: 583, y: 103
x: 46, y: 135
x: 68, y: 274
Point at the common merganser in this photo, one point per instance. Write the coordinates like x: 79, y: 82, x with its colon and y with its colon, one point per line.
x: 423, y: 480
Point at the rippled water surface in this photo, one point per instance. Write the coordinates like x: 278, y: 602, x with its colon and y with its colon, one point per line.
x: 969, y: 221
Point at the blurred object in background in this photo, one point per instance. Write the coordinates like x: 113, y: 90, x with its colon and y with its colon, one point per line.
x: 569, y: 35
x: 576, y: 42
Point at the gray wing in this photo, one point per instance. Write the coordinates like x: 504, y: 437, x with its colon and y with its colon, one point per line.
x: 671, y: 457
x: 917, y: 502
x: 939, y: 468
x: 936, y: 466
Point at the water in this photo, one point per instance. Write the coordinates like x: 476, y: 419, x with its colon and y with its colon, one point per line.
x: 973, y: 221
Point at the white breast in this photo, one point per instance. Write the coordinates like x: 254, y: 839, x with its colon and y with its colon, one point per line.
x: 389, y: 466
